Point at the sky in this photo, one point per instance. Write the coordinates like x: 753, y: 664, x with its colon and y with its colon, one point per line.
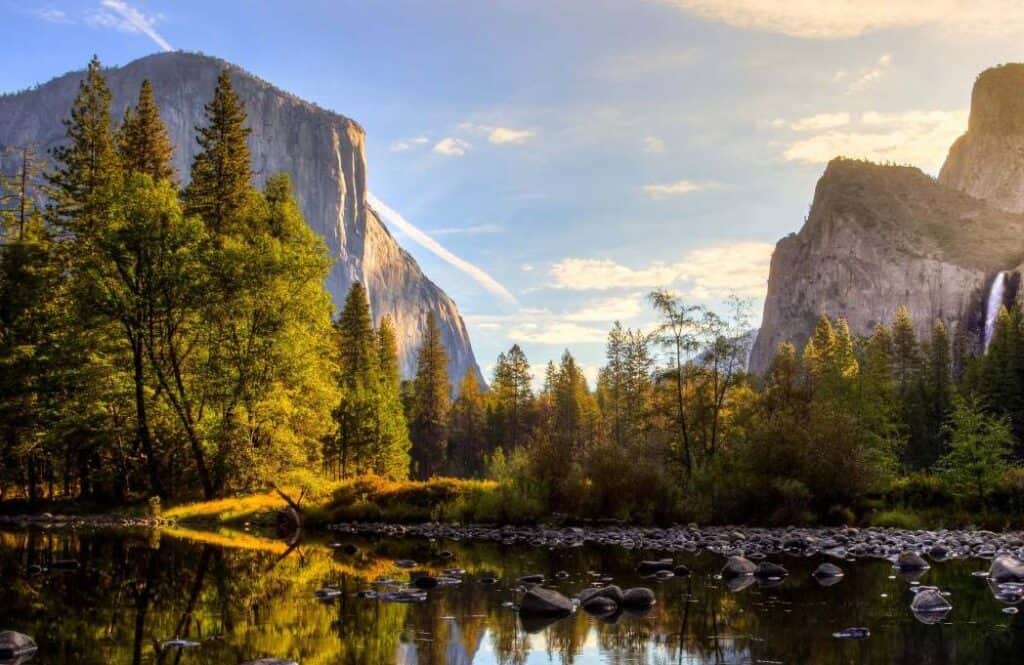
x: 550, y: 162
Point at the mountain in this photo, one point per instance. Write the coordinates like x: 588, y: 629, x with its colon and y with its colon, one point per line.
x: 881, y: 236
x: 322, y: 151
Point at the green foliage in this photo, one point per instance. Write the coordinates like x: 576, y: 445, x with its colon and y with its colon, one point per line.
x: 431, y: 400
x: 896, y: 519
x: 980, y: 448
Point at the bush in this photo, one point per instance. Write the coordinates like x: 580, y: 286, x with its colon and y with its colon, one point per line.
x: 920, y: 491
x: 896, y: 519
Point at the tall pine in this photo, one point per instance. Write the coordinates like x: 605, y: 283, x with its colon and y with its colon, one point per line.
x: 143, y: 142
x: 431, y: 402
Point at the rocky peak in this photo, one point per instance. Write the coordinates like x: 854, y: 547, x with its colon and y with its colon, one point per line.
x: 322, y: 151
x: 988, y: 160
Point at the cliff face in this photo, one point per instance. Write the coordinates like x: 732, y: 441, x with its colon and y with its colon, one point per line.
x: 881, y: 236
x: 988, y: 161
x: 322, y: 151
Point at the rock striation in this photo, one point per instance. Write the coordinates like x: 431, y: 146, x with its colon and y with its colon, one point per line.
x: 880, y: 236
x: 322, y: 151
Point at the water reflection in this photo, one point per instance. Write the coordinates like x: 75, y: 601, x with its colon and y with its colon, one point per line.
x: 243, y: 597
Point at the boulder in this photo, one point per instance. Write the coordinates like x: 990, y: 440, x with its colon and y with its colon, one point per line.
x: 929, y: 600
x: 652, y: 567
x: 827, y: 571
x: 1006, y: 568
x: 16, y: 646
x: 612, y: 592
x: 637, y: 598
x: 738, y: 566
x: 531, y: 579
x: 910, y: 562
x: 539, y: 601
x: 768, y: 570
x: 424, y: 581
x: 599, y: 605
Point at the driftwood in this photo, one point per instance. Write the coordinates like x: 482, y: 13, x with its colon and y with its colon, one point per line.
x: 293, y: 512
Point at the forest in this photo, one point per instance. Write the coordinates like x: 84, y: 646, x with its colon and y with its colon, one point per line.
x: 160, y: 340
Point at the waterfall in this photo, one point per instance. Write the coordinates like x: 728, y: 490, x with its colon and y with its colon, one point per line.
x: 995, y: 302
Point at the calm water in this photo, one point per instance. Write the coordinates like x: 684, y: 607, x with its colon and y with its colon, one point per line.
x: 243, y: 597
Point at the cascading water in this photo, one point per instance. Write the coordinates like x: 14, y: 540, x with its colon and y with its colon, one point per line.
x: 995, y: 301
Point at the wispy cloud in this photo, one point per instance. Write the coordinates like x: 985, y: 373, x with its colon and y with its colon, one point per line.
x: 401, y: 145
x: 816, y: 122
x: 478, y: 275
x: 918, y: 137
x: 503, y: 135
x: 452, y: 147
x: 120, y: 15
x: 472, y: 230
x: 870, y: 75
x: 739, y: 268
x: 53, y: 15
x: 813, y: 19
x: 653, y: 145
x: 680, y: 187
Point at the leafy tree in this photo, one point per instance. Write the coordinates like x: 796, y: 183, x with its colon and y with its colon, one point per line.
x: 431, y: 403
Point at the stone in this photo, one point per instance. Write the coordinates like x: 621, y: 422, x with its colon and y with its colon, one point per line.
x: 911, y: 562
x: 1006, y: 568
x: 531, y: 579
x: 424, y: 581
x: 852, y: 634
x: 600, y: 605
x: 928, y: 600
x: 612, y: 592
x: 768, y: 570
x: 638, y: 598
x: 652, y: 567
x: 16, y: 646
x: 827, y: 571
x: 540, y: 601
x: 738, y: 566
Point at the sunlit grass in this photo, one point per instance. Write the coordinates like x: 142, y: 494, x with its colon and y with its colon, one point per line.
x: 227, y: 510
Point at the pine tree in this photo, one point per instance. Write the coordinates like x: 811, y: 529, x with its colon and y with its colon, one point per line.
x: 221, y: 187
x: 511, y: 399
x: 391, y: 454
x: 143, y: 143
x: 431, y: 401
x: 906, y: 359
x: 87, y: 169
x: 360, y: 380
x: 467, y: 421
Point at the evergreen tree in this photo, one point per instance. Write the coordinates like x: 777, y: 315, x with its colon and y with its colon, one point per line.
x: 431, y: 402
x: 360, y: 379
x: 467, y: 422
x: 391, y: 454
x: 220, y: 188
x: 906, y: 359
x: 87, y: 169
x: 143, y: 143
x: 511, y: 399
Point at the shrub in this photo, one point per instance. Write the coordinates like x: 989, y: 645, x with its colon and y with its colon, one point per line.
x: 896, y: 519
x: 920, y: 491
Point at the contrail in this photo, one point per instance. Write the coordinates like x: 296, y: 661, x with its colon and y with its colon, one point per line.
x: 477, y: 274
x: 137, y: 20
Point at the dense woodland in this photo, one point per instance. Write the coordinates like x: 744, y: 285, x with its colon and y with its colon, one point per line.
x: 160, y: 340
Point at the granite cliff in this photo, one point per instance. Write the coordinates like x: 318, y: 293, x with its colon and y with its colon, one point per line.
x: 880, y: 236
x: 322, y: 151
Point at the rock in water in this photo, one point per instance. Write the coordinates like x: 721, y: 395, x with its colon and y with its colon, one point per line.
x: 1006, y: 568
x: 539, y: 601
x: 827, y: 571
x: 769, y: 570
x: 929, y: 600
x: 323, y: 152
x: 16, y: 646
x: 652, y: 567
x: 911, y: 562
x: 852, y: 634
x: 637, y: 598
x: 738, y: 566
x: 612, y: 592
x: 599, y: 605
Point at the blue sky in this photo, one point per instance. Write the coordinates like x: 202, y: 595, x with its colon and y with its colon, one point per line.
x: 580, y: 152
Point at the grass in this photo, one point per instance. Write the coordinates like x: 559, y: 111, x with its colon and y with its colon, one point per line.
x: 897, y: 519
x: 228, y: 510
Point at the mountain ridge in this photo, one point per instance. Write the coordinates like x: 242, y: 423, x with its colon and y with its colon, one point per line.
x: 323, y: 152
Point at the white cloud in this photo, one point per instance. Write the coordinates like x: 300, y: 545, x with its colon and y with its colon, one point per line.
x: 119, y: 15
x: 610, y: 310
x: 556, y: 333
x: 816, y: 122
x: 475, y: 272
x: 870, y: 75
x: 653, y: 145
x: 402, y: 145
x: 839, y: 19
x: 53, y: 15
x: 451, y: 147
x: 740, y: 268
x: 526, y: 267
x: 679, y: 187
x: 918, y: 137
x: 503, y: 135
x: 473, y: 230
